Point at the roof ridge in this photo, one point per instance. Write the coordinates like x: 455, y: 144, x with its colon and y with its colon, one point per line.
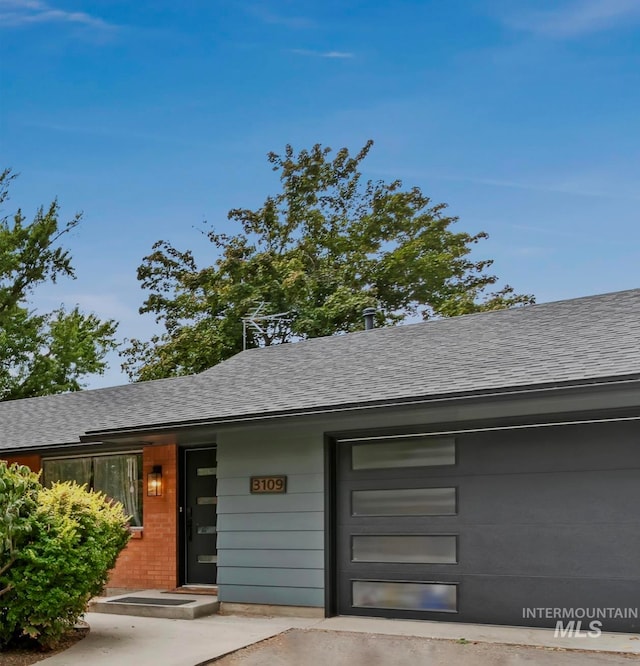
x: 102, y: 389
x: 433, y: 321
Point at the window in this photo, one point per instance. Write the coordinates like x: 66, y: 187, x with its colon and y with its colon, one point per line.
x: 408, y: 548
x: 394, y: 453
x: 405, y: 595
x: 404, y: 502
x: 119, y: 477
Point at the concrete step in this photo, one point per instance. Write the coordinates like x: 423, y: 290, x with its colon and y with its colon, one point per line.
x: 211, y: 590
x: 157, y: 603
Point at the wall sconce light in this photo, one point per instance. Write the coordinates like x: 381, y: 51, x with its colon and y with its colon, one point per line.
x: 154, y: 481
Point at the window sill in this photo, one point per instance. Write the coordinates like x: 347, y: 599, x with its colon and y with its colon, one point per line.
x: 136, y: 532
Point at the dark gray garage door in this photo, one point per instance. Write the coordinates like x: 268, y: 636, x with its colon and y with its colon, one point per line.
x: 507, y: 527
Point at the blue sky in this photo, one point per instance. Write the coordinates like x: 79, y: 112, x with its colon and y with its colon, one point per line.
x: 152, y: 116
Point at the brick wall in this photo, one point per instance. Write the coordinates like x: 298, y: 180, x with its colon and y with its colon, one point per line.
x: 151, y: 558
x: 32, y: 461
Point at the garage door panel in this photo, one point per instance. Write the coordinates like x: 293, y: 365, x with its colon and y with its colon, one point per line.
x: 579, y: 448
x: 513, y: 600
x: 528, y: 601
x: 505, y: 550
x: 545, y: 519
x: 559, y: 498
x: 519, y: 551
x: 590, y: 447
x: 470, y: 466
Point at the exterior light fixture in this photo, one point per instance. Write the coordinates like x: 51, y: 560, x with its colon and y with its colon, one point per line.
x: 154, y: 481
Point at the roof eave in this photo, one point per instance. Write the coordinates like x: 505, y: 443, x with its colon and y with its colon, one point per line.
x: 515, y: 391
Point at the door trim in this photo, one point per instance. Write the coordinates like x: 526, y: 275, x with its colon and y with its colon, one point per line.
x: 330, y: 527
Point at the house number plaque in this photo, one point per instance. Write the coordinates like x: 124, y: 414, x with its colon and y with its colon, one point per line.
x: 268, y: 484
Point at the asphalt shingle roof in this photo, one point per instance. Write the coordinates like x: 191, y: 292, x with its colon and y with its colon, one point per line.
x: 596, y: 337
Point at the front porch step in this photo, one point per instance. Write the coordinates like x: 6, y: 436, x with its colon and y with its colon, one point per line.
x: 211, y: 590
x: 156, y: 603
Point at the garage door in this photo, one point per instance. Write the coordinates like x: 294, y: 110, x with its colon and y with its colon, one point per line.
x: 519, y: 527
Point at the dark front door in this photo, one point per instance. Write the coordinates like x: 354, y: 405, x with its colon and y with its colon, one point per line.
x: 200, y: 514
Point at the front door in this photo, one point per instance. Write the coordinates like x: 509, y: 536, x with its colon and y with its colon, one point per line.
x: 200, y: 514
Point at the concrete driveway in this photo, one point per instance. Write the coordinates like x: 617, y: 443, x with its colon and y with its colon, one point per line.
x: 291, y: 641
x: 122, y: 640
x: 313, y: 647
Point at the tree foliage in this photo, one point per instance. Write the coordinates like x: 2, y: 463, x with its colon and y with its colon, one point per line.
x: 42, y: 353
x: 327, y: 245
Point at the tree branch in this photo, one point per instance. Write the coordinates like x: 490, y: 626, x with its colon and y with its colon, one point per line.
x: 6, y: 589
x: 7, y: 566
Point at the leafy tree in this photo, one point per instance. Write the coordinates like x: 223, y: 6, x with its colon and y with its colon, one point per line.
x: 42, y: 353
x: 323, y: 248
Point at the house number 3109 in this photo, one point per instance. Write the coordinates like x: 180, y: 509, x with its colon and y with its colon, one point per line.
x: 268, y: 484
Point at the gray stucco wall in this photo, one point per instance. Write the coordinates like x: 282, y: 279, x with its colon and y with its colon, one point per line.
x: 271, y: 547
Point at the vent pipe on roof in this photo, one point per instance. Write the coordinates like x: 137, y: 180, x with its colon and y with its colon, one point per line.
x: 369, y: 318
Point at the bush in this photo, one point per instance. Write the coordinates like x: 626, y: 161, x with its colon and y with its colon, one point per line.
x: 19, y: 490
x: 60, y: 557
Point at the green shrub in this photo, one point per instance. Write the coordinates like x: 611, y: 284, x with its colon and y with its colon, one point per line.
x: 19, y: 490
x: 73, y: 539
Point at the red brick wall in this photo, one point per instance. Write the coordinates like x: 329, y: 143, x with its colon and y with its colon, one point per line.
x: 31, y: 460
x: 151, y: 558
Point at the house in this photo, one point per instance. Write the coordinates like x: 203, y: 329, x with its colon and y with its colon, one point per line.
x: 470, y: 469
